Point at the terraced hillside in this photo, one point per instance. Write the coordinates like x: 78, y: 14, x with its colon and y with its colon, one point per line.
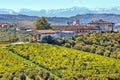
x: 67, y: 63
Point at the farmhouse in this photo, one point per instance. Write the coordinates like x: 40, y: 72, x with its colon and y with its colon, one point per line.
x: 41, y: 34
x: 68, y: 31
x: 103, y: 25
x: 77, y: 29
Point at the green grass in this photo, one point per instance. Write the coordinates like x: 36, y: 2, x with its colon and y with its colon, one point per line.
x: 68, y: 63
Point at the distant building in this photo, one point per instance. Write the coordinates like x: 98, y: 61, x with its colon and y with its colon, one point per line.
x: 103, y: 25
x: 75, y: 22
x: 77, y: 29
x: 5, y: 25
x: 68, y: 31
x: 41, y: 34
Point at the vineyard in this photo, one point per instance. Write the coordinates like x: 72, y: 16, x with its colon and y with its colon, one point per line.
x: 13, y: 67
x: 67, y: 63
x: 105, y: 44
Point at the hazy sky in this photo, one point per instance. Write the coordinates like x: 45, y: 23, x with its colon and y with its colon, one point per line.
x: 56, y: 4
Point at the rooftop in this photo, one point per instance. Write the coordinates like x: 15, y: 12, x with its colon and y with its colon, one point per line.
x: 73, y: 28
x: 46, y: 31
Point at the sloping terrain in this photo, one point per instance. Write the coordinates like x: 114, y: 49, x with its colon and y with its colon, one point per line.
x: 105, y: 44
x: 14, y: 67
x: 67, y: 63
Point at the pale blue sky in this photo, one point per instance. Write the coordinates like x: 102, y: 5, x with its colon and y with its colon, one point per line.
x: 57, y: 4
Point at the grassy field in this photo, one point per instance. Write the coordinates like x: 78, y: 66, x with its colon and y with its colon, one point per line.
x: 67, y: 63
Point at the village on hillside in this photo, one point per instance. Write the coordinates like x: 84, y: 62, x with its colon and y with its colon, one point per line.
x: 68, y: 31
x: 64, y: 31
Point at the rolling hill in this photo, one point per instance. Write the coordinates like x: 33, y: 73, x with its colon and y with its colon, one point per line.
x: 27, y: 21
x: 69, y: 64
x: 14, y: 67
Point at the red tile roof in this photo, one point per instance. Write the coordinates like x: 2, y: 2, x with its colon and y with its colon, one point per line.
x: 74, y: 28
x: 46, y: 31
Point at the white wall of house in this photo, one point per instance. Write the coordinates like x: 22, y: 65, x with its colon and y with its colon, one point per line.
x: 67, y: 34
x: 91, y: 31
x: 102, y: 27
x: 59, y: 34
x: 42, y: 36
x: 117, y: 29
x: 110, y: 28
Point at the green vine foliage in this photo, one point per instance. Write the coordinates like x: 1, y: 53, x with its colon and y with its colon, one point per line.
x: 105, y: 44
x: 13, y: 67
x: 69, y: 64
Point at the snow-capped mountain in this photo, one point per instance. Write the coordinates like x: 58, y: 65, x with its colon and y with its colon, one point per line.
x: 63, y: 12
x: 7, y: 11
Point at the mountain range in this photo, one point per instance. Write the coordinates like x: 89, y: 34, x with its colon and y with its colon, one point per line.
x: 62, y: 12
